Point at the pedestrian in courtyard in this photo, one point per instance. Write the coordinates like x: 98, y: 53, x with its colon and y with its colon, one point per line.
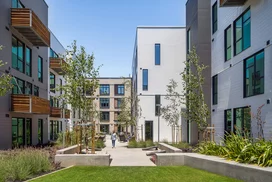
x: 113, y: 139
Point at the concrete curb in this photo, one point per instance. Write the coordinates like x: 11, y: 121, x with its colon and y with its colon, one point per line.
x: 49, y: 174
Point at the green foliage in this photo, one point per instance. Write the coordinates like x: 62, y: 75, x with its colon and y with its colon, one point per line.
x: 21, y: 164
x: 240, y: 149
x: 140, y: 144
x: 5, y: 79
x: 100, y: 144
x: 193, y: 96
x: 181, y: 145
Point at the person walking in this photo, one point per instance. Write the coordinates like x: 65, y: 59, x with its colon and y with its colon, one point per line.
x: 113, y: 139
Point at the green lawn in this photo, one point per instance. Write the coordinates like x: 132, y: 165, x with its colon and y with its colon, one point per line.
x: 137, y: 174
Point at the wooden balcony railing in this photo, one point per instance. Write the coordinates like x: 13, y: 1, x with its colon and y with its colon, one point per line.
x: 55, y: 112
x: 29, y: 104
x: 67, y: 113
x: 231, y: 3
x: 57, y: 64
x: 30, y: 26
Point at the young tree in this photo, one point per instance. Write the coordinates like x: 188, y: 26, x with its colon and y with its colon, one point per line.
x: 5, y: 79
x: 81, y: 76
x: 172, y: 112
x: 192, y: 96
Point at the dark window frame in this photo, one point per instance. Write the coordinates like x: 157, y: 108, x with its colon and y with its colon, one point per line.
x: 28, y: 120
x: 242, y: 120
x: 157, y: 55
x: 60, y: 86
x: 242, y: 30
x: 104, y: 105
x: 145, y: 74
x: 104, y: 116
x: 30, y: 62
x: 214, y: 17
x: 40, y: 71
x: 26, y: 83
x: 188, y: 41
x: 226, y: 47
x: 52, y: 86
x: 17, y: 85
x: 157, y: 101
x: 17, y: 131
x: 215, y: 90
x: 226, y: 131
x: 40, y: 135
x: 119, y: 87
x: 104, y: 89
x: 36, y: 91
x: 17, y: 56
x: 262, y: 77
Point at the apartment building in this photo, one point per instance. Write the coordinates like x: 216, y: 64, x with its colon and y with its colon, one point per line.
x: 26, y: 38
x: 159, y: 53
x: 241, y: 65
x: 198, y: 27
x: 60, y: 113
x: 108, y: 98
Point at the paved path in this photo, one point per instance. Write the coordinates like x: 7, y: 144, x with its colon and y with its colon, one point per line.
x: 123, y: 156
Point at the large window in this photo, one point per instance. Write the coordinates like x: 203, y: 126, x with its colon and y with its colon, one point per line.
x: 28, y: 70
x: 105, y: 89
x: 242, y: 121
x: 157, y: 54
x: 119, y: 89
x: 254, y: 75
x: 157, y: 105
x: 40, y: 131
x: 53, y: 54
x: 215, y: 89
x: 28, y: 131
x: 228, y: 43
x: 18, y: 132
x: 18, y: 86
x: 18, y: 55
x: 242, y: 39
x: 117, y: 103
x: 40, y: 69
x: 17, y: 4
x: 54, y: 130
x: 28, y: 88
x: 188, y: 41
x: 228, y: 121
x: 104, y: 116
x: 104, y: 103
x: 214, y: 17
x: 52, y: 82
x: 145, y: 79
x: 36, y: 91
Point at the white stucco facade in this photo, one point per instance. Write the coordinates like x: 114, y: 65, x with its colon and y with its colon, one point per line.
x: 172, y: 42
x: 231, y: 73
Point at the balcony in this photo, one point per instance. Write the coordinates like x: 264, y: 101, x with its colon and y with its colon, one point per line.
x: 30, y: 26
x: 29, y: 104
x: 57, y: 64
x: 66, y: 113
x: 232, y: 3
x: 55, y: 112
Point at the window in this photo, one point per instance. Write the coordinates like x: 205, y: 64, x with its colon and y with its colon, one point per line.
x: 242, y: 121
x: 28, y: 70
x: 119, y: 89
x: 52, y: 82
x: 17, y: 4
x: 117, y: 103
x: 228, y: 121
x: 60, y: 86
x: 254, y: 75
x: 53, y: 54
x: 188, y: 41
x: 105, y: 89
x: 18, y: 132
x: 116, y: 114
x: 40, y: 131
x: 228, y: 43
x: 18, y: 55
x: 214, y: 17
x: 28, y: 88
x: 104, y: 116
x: 74, y: 113
x: 54, y: 129
x: 157, y: 54
x: 60, y: 123
x: 145, y: 79
x: 40, y: 69
x: 104, y: 103
x: 157, y: 105
x: 51, y: 101
x: 28, y: 131
x: 79, y: 113
x: 242, y: 32
x: 36, y: 91
x: 18, y: 86
x: 215, y: 89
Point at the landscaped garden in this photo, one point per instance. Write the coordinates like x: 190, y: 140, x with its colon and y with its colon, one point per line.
x: 110, y: 174
x: 140, y: 144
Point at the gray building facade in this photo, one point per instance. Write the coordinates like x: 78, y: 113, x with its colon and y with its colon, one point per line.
x: 198, y: 27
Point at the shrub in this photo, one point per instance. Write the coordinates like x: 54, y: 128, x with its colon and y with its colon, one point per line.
x: 100, y: 144
x: 240, y: 149
x: 149, y: 143
x: 21, y: 164
x: 132, y: 144
x: 181, y: 145
x: 140, y: 144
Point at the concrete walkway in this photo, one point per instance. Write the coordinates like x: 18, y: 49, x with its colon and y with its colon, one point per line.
x: 123, y: 156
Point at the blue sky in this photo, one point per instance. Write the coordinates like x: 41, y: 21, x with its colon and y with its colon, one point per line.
x: 107, y: 27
